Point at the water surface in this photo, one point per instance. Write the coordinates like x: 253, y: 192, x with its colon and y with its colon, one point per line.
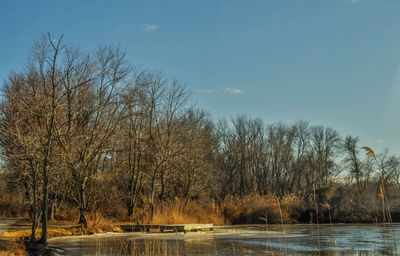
x: 243, y: 240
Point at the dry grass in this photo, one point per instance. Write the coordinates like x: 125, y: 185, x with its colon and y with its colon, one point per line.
x: 262, y: 209
x: 11, y: 248
x: 179, y: 211
x: 233, y: 210
x: 14, y: 239
x: 97, y: 224
x: 16, y: 252
x: 20, y: 235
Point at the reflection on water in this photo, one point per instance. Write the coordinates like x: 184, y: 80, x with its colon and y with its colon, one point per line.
x: 244, y: 240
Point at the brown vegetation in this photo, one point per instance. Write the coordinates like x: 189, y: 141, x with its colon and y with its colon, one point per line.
x: 95, y: 226
x: 12, y: 249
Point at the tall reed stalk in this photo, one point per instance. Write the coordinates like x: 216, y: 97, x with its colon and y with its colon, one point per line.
x: 281, y: 216
x: 385, y: 204
x: 317, y: 219
x: 387, y: 216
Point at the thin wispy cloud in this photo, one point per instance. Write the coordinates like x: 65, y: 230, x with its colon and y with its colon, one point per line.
x: 224, y: 90
x: 233, y: 91
x: 149, y: 27
x: 207, y: 91
x: 352, y: 1
x: 379, y: 141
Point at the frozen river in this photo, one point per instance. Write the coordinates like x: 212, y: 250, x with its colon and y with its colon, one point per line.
x: 346, y: 239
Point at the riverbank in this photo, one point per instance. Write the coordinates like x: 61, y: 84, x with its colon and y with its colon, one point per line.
x: 15, y: 232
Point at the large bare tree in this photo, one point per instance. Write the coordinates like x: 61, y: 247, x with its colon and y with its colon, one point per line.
x: 30, y: 108
x: 92, y: 113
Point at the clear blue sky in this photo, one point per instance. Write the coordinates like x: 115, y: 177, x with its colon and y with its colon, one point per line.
x: 332, y: 62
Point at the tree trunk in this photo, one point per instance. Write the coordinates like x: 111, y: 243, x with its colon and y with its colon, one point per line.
x: 152, y: 200
x: 53, y: 210
x: 82, y: 208
x: 82, y: 218
x: 151, y: 212
x: 43, y: 238
x: 34, y: 210
x: 162, y: 173
x: 130, y: 208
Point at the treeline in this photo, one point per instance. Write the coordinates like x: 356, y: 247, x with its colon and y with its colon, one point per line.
x: 88, y: 133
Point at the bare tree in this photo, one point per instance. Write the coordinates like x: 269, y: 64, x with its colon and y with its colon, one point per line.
x: 354, y: 163
x: 167, y: 100
x: 191, y: 172
x: 133, y: 139
x: 19, y: 143
x: 388, y: 166
x: 92, y: 114
x: 325, y: 141
x: 38, y: 90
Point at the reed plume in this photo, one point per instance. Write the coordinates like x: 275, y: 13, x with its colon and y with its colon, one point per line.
x: 369, y: 152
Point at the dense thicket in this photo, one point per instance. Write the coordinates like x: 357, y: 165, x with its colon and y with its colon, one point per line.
x: 84, y: 133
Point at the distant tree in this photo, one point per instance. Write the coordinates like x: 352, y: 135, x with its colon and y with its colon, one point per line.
x: 132, y: 141
x: 388, y: 166
x: 191, y: 172
x: 167, y: 102
x: 325, y: 142
x: 353, y: 162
